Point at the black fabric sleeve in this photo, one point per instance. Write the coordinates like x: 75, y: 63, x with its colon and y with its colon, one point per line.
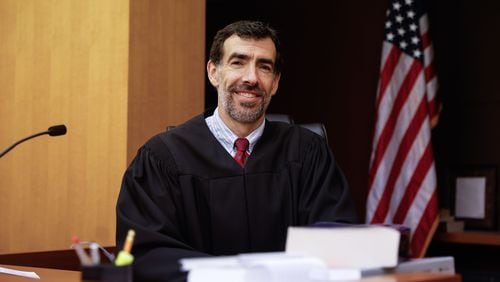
x: 325, y: 195
x: 147, y: 204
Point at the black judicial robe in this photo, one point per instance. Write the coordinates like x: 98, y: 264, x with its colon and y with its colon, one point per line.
x: 185, y: 196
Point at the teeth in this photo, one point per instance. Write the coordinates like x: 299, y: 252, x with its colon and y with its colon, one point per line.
x: 246, y: 94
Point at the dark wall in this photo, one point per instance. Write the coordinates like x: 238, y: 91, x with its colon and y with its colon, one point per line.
x: 332, y: 56
x: 332, y: 53
x: 466, y: 36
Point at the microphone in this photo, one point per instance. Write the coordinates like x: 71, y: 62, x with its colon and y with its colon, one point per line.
x: 55, y: 130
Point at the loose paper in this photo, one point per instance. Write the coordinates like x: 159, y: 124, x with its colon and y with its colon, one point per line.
x: 28, y: 274
x: 257, y: 267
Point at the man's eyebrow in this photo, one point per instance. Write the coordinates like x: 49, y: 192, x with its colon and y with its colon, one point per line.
x: 266, y: 61
x: 238, y: 56
x: 246, y: 57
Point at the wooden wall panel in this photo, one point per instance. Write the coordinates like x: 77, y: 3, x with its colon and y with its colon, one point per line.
x: 115, y: 72
x: 167, y: 69
x: 62, y: 62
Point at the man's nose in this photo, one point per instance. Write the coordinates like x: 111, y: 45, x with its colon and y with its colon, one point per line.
x: 250, y: 76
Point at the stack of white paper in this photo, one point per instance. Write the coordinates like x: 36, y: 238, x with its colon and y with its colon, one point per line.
x: 316, y: 255
x: 346, y: 247
x: 271, y: 267
x: 278, y: 267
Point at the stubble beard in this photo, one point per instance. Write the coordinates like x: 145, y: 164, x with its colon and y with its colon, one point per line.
x: 247, y: 112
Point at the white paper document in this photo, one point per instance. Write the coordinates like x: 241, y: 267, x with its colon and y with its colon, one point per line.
x: 28, y: 274
x: 269, y: 267
x: 284, y: 267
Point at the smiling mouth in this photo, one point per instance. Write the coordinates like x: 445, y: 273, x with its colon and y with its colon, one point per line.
x: 248, y: 99
x: 249, y: 95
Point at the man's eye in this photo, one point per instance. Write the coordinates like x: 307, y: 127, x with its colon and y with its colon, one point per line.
x: 266, y: 68
x: 236, y: 63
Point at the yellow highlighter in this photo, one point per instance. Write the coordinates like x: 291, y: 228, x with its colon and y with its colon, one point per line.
x: 124, y: 256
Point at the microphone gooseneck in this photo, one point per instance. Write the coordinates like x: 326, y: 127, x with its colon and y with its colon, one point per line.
x: 55, y: 130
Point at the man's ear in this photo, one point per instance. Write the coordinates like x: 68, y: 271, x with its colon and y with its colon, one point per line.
x: 212, y: 73
x: 276, y: 82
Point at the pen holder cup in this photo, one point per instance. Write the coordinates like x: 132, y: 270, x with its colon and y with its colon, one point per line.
x: 107, y: 273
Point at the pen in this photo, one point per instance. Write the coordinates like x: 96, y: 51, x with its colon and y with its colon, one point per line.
x: 124, y: 257
x: 84, y: 258
x: 94, y: 253
x: 129, y: 240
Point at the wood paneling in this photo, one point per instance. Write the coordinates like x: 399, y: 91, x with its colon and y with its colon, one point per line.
x: 70, y: 62
x: 66, y: 63
x: 167, y: 40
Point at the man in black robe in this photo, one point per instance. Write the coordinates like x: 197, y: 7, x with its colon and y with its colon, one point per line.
x: 186, y: 195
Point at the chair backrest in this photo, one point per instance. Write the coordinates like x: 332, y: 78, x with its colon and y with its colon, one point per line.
x: 317, y: 128
x: 280, y: 117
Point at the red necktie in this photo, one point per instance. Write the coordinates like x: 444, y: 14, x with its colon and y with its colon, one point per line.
x: 241, y: 151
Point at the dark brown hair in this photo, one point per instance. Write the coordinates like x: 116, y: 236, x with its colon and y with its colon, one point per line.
x: 246, y: 30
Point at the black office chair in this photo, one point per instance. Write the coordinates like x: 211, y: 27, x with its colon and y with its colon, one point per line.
x: 280, y: 117
x: 317, y: 128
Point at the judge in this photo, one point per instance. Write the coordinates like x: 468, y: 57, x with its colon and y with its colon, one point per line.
x: 229, y: 181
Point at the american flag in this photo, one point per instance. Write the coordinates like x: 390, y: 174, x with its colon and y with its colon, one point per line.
x: 402, y: 177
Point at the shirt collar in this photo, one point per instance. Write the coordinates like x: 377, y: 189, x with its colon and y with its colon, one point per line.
x: 226, y: 137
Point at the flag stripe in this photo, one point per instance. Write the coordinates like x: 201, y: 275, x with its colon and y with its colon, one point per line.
x: 423, y: 23
x: 421, y: 171
x: 408, y: 168
x: 425, y: 40
x: 428, y: 55
x: 422, y: 199
x: 427, y: 224
x: 389, y: 96
x: 404, y: 120
x: 401, y: 98
x: 432, y: 86
x: 429, y: 73
x: 387, y: 72
x: 403, y: 150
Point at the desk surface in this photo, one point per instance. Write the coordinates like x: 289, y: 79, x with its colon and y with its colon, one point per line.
x: 46, y: 274
x: 56, y: 275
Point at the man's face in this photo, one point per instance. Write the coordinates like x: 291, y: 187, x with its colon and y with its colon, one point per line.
x: 245, y: 78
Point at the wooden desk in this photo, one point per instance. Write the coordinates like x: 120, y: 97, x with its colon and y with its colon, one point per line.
x: 46, y: 274
x: 475, y: 253
x: 470, y: 237
x: 57, y: 275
